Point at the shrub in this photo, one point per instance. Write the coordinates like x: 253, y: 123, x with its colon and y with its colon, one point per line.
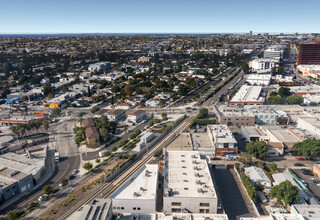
x: 87, y: 166
x: 97, y: 160
x: 114, y: 148
x: 248, y: 185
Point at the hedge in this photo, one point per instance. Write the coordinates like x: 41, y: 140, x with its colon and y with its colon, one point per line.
x: 249, y: 187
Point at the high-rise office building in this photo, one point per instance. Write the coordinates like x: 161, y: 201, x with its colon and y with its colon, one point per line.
x: 309, y: 53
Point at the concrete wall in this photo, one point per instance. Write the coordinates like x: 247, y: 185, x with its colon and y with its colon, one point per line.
x: 192, y: 204
x: 128, y: 205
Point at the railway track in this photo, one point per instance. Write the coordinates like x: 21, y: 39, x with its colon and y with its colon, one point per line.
x: 125, y: 175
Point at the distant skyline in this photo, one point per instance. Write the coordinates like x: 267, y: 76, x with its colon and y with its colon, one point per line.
x: 142, y: 16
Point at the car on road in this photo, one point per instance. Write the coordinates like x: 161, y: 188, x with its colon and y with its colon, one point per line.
x: 300, y: 158
x: 298, y: 164
x: 129, y: 131
x: 43, y: 197
x: 304, y: 183
x: 75, y: 171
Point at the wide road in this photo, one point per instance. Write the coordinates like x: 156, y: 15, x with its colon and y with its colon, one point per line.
x: 62, y: 140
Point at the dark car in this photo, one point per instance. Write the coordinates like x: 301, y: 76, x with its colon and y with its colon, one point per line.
x: 215, y: 158
x: 298, y: 164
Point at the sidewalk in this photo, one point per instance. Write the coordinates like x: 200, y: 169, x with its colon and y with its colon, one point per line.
x: 50, y: 168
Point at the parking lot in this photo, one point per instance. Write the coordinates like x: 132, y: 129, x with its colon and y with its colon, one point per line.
x: 311, y: 185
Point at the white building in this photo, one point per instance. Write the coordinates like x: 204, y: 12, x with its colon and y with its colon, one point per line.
x: 116, y: 115
x: 274, y: 51
x: 311, y: 124
x: 173, y: 216
x: 263, y: 64
x: 259, y: 79
x: 136, y: 116
x: 188, y: 185
x: 311, y: 98
x: 153, y: 102
x: 222, y: 139
x: 248, y: 95
x: 139, y: 193
x: 99, y: 66
x: 266, y: 114
x: 257, y: 175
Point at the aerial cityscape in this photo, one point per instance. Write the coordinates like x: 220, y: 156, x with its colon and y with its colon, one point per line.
x: 158, y: 120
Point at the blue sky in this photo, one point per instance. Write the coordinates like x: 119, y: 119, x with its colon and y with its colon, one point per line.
x: 158, y: 16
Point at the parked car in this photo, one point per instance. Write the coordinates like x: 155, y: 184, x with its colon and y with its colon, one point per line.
x: 215, y: 158
x: 298, y: 164
x: 300, y: 158
x: 43, y: 197
x: 75, y: 171
x: 62, y: 184
x: 32, y: 205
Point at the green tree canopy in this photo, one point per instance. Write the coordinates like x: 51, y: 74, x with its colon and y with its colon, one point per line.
x: 47, y: 189
x: 284, y: 91
x: 258, y: 149
x: 87, y: 166
x: 308, y: 147
x: 294, y: 100
x: 275, y: 100
x: 286, y: 192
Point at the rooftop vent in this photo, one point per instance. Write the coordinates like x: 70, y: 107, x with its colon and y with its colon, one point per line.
x: 135, y: 194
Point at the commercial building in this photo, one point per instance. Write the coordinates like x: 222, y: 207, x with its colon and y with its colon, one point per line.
x: 307, y: 211
x: 21, y: 163
x: 13, y: 182
x: 188, y: 185
x: 310, y: 70
x: 15, y: 119
x: 252, y: 133
x: 99, y: 209
x: 257, y: 175
x: 139, y: 193
x: 222, y: 140
x: 277, y: 216
x: 310, y: 89
x: 268, y: 114
x: 309, y: 53
x: 248, y: 95
x: 274, y: 51
x: 136, y: 116
x: 234, y: 115
x: 259, y: 79
x: 307, y: 99
x: 316, y: 170
x: 263, y: 64
x: 172, y: 216
x: 278, y: 134
x: 311, y: 124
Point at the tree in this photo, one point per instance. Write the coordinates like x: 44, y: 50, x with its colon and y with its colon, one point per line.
x: 164, y: 116
x: 294, y: 100
x: 47, y: 88
x: 45, y: 125
x: 64, y: 181
x: 55, y: 112
x: 313, y: 104
x: 308, y: 147
x: 94, y: 109
x: 104, y: 134
x: 132, y: 135
x: 285, y: 192
x: 89, y: 92
x: 151, y: 123
x: 273, y: 93
x: 25, y: 98
x: 51, y: 95
x: 64, y: 88
x: 47, y: 189
x: 275, y: 100
x: 114, y: 148
x: 87, y: 166
x: 258, y: 149
x: 13, y: 214
x: 273, y: 167
x: 115, y: 89
x: 122, y: 142
x: 245, y: 67
x: 128, y: 89
x: 284, y: 91
x: 203, y: 112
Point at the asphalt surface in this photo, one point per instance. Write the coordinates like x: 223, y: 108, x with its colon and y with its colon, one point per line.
x: 312, y: 186
x: 232, y: 201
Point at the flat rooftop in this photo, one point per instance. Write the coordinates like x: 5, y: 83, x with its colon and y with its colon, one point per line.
x: 254, y: 131
x: 282, y: 134
x: 234, y: 111
x: 142, y: 185
x: 187, y: 175
x: 98, y: 208
x: 311, y: 88
x: 21, y: 163
x: 312, y: 211
x: 200, y: 140
x: 183, y: 142
x: 221, y: 134
x: 248, y: 94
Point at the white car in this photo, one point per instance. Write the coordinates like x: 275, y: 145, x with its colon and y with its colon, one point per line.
x: 42, y: 197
